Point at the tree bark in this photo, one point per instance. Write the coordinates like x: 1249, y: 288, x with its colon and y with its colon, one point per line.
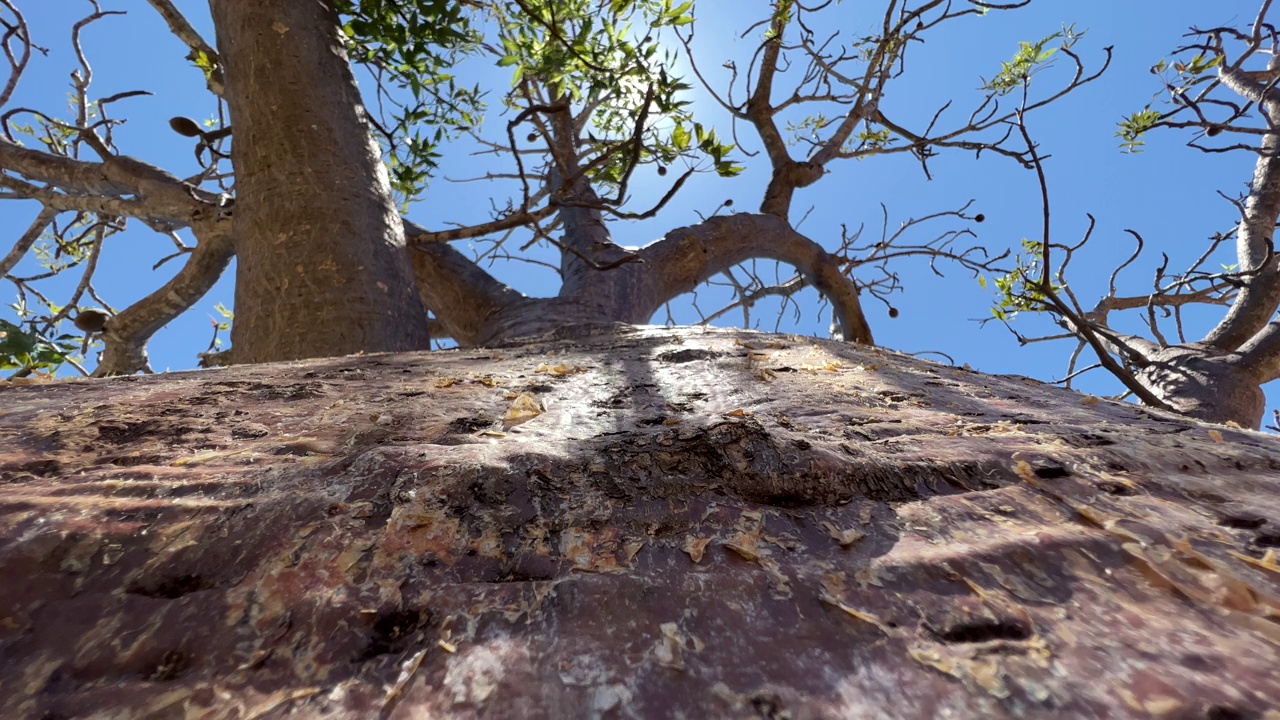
x: 1205, y: 384
x: 321, y: 268
x: 632, y: 286
x: 650, y: 522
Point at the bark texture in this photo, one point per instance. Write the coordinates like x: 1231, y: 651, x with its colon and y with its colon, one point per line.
x: 1199, y: 382
x: 321, y: 265
x: 638, y: 523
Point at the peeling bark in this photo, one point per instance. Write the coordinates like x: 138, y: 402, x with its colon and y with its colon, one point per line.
x: 661, y: 523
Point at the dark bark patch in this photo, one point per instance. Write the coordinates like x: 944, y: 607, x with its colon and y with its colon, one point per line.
x: 171, y: 666
x: 982, y: 631
x: 530, y: 568
x: 1050, y: 469
x: 686, y: 355
x: 1227, y: 712
x: 1207, y: 496
x: 1086, y: 440
x: 768, y: 705
x: 1201, y: 662
x: 294, y: 391
x: 1242, y: 521
x: 1115, y: 488
x: 168, y: 587
x: 1267, y: 540
x: 249, y: 431
x: 469, y: 424
x: 134, y: 460
x: 127, y: 433
x: 394, y: 632
x: 613, y: 487
x: 33, y: 469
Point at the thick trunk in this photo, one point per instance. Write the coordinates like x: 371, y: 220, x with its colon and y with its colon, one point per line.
x: 1206, y: 385
x: 321, y: 265
x: 649, y: 524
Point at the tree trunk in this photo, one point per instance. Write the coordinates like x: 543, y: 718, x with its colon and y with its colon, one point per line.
x: 1202, y: 383
x: 647, y: 523
x: 321, y: 265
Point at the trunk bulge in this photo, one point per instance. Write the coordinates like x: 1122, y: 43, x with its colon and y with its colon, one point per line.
x: 1204, y: 384
x: 321, y: 265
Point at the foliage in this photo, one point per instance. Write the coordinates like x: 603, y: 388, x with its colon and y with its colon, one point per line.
x: 410, y: 47
x: 1031, y: 57
x: 1021, y: 288
x: 1133, y: 126
x: 591, y: 54
x: 582, y: 50
x: 1187, y: 75
x: 27, y: 351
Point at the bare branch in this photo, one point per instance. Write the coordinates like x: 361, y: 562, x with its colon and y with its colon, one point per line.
x: 202, y: 53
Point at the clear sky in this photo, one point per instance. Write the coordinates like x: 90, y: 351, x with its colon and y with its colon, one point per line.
x: 1167, y: 193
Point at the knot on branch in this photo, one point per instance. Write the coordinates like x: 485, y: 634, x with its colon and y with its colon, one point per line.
x: 799, y: 174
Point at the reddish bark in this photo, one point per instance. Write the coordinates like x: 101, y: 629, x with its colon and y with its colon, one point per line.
x: 706, y: 523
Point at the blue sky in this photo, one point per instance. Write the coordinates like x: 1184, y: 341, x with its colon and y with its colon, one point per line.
x: 1167, y: 193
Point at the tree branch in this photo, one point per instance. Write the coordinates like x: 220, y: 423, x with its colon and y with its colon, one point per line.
x: 458, y: 292
x: 179, y: 26
x: 126, y: 334
x: 688, y: 256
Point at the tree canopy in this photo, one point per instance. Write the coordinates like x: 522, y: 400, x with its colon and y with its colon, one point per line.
x: 570, y: 121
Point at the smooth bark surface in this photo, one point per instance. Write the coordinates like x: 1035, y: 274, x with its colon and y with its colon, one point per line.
x: 321, y: 267
x: 626, y: 286
x: 644, y: 523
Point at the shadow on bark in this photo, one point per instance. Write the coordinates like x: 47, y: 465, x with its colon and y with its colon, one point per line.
x: 630, y: 523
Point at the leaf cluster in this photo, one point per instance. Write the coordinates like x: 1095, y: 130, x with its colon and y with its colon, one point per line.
x: 1021, y: 289
x: 28, y: 351
x: 1186, y: 75
x: 410, y: 45
x: 608, y: 56
x: 1030, y: 57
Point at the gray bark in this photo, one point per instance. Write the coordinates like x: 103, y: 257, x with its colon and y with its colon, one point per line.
x: 1203, y: 384
x: 627, y: 287
x: 321, y: 268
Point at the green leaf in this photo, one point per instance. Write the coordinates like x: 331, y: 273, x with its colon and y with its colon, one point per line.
x: 680, y: 138
x: 1029, y: 57
x: 1131, y: 129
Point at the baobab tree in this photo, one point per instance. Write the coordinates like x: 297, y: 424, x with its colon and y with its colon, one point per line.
x: 591, y: 105
x: 636, y: 524
x: 1221, y: 88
